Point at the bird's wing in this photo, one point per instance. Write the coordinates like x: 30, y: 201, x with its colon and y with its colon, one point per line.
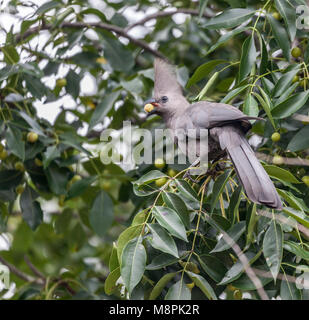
x: 208, y: 115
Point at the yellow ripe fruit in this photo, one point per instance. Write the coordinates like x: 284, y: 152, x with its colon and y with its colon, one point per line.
x: 237, y: 294
x: 171, y: 172
x: 160, y: 182
x: 303, y: 83
x: 32, y: 137
x: 19, y: 166
x: 295, y: 79
x: 91, y: 105
x: 278, y: 160
x: 61, y: 82
x: 296, y: 52
x: 77, y: 177
x: 159, y: 163
x: 38, y: 162
x: 20, y: 189
x: 3, y: 154
x: 305, y: 180
x: 105, y: 185
x: 148, y: 107
x: 101, y: 60
x: 275, y: 137
x: 190, y: 285
x: 276, y: 15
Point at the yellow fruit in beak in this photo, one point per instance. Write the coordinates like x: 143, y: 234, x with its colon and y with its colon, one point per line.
x: 148, y: 107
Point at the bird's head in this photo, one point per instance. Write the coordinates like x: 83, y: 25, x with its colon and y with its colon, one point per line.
x: 168, y: 97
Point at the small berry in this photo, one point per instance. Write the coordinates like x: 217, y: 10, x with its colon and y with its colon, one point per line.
x: 296, y: 52
x: 171, y: 172
x: 305, y: 180
x: 237, y: 294
x: 20, y: 189
x: 101, y: 60
x: 278, y: 160
x: 61, y: 82
x: 275, y: 137
x: 38, y: 162
x: 19, y: 166
x: 295, y: 79
x: 3, y: 154
x: 32, y: 137
x: 276, y: 15
x: 159, y: 163
x: 77, y: 177
x: 160, y: 182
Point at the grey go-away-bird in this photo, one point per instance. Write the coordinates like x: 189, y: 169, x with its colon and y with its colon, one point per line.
x: 226, y: 127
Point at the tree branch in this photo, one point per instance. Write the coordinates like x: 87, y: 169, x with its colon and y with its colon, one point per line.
x: 99, y: 25
x: 161, y: 14
x: 288, y: 161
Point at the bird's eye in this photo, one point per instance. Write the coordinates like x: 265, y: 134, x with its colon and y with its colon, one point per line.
x: 164, y: 99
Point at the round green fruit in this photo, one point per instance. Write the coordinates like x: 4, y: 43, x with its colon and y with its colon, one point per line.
x: 61, y: 82
x: 77, y: 177
x: 161, y: 182
x: 171, y: 172
x: 105, y: 185
x: 32, y: 137
x: 295, y: 79
x: 278, y: 160
x: 296, y: 52
x: 20, y: 189
x: 19, y: 166
x: 276, y: 15
x: 275, y: 137
x: 305, y: 180
x: 159, y: 163
x: 303, y: 83
x: 38, y: 162
x: 3, y: 154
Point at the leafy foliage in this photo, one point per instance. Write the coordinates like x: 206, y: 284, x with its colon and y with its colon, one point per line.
x: 80, y: 229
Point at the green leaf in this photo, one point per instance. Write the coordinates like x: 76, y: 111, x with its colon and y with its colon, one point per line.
x: 120, y: 58
x: 150, y: 177
x: 203, y: 70
x: 212, y: 266
x: 201, y: 283
x: 162, y: 241
x: 73, y: 83
x: 186, y: 190
x: 110, y: 282
x: 47, y: 6
x: 251, y: 107
x: 237, y: 269
x: 210, y: 83
x: 234, y: 93
x: 202, y: 7
x: 229, y: 18
x: 266, y: 104
x: 15, y: 142
x: 57, y: 178
x: 299, y: 216
x: 133, y: 262
x: 80, y: 186
x: 101, y: 214
x: 279, y: 173
x: 170, y: 220
x: 287, y: 11
x: 234, y: 204
x: 289, y: 291
x: 280, y: 35
x: 251, y: 220
x: 49, y: 155
x: 31, y: 209
x: 127, y: 235
x: 248, y: 58
x: 225, y: 37
x: 218, y: 188
x: 113, y: 259
x: 102, y: 109
x: 295, y: 248
x: 284, y: 83
x: 157, y: 289
x: 178, y: 291
x: 161, y: 261
x: 234, y: 233
x: 293, y: 201
x: 244, y: 282
x: 10, y: 179
x: 11, y: 56
x: 273, y: 247
x: 173, y: 201
x: 300, y: 140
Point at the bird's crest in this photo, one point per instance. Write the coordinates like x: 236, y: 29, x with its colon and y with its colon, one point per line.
x: 165, y: 79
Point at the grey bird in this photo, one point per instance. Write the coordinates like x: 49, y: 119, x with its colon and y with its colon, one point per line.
x: 226, y: 125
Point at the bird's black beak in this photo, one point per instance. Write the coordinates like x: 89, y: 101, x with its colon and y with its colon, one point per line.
x: 150, y: 106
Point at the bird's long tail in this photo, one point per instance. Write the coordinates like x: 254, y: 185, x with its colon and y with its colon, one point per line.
x: 257, y: 184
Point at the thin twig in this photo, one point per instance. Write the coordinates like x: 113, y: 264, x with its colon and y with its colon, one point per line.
x: 35, y: 271
x: 288, y: 161
x: 161, y: 14
x: 100, y: 25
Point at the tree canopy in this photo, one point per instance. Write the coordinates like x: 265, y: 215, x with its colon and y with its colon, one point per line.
x: 72, y: 227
